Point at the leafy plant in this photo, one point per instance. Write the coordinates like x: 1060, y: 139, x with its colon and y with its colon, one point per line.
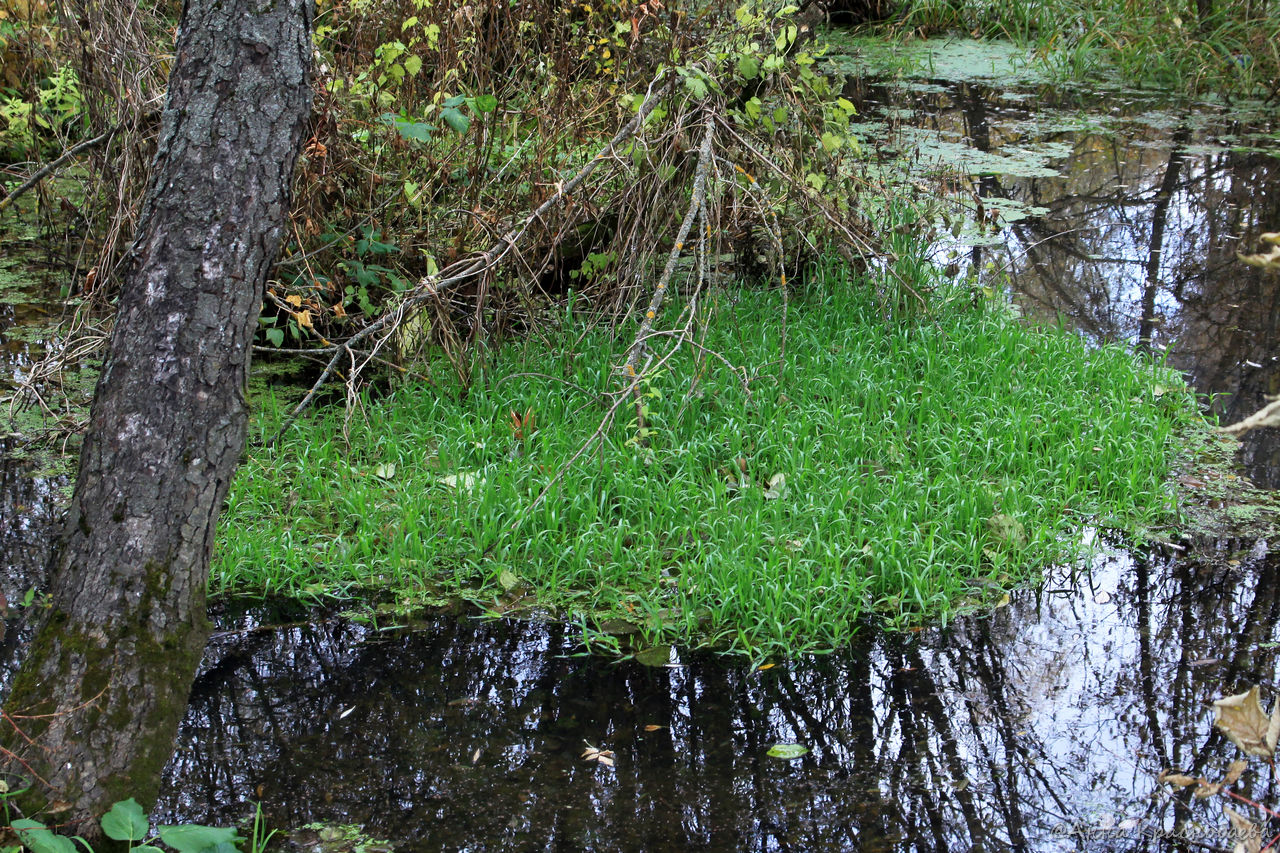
x: 33, y: 126
x: 127, y: 822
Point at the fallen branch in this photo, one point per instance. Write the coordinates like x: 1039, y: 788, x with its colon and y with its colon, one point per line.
x: 1269, y: 416
x: 42, y: 172
x: 433, y: 287
x: 697, y: 203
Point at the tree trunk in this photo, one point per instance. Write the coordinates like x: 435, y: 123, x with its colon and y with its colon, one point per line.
x: 106, y: 680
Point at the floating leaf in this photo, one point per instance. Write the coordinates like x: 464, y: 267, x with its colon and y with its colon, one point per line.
x: 600, y: 756
x: 653, y: 728
x: 765, y: 666
x: 788, y: 750
x: 1180, y: 779
x: 1007, y: 530
x: 198, y: 839
x: 1248, y: 835
x: 508, y: 580
x: 1207, y: 789
x: 1234, y: 772
x: 1269, y: 261
x: 656, y: 656
x: 1242, y: 719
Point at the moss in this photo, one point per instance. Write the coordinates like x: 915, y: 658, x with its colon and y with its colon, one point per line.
x: 1216, y: 500
x: 127, y: 680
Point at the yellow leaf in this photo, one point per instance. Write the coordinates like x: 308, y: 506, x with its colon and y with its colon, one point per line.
x: 303, y: 318
x: 766, y: 666
x: 1206, y: 789
x: 294, y: 299
x: 1248, y: 835
x: 653, y: 728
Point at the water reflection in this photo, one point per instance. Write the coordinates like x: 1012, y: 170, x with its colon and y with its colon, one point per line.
x: 1139, y: 239
x: 1039, y: 727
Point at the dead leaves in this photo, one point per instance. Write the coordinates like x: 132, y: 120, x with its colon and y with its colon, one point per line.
x: 600, y: 756
x: 1269, y: 261
x: 1248, y: 834
x: 1242, y: 719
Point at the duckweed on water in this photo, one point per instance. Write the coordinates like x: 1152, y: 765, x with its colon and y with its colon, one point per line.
x: 906, y: 467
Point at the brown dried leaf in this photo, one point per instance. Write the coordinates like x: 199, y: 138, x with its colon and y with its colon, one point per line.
x: 1206, y: 789
x: 600, y: 756
x: 1234, y: 772
x: 1248, y: 835
x: 1179, y: 779
x: 1242, y: 719
x: 1268, y: 261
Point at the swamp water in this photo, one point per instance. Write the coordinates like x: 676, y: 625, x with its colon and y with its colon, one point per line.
x: 1041, y: 725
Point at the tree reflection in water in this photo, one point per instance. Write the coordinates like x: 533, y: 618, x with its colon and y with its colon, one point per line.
x: 1011, y: 730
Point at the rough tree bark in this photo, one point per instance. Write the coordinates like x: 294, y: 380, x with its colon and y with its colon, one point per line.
x: 93, y: 712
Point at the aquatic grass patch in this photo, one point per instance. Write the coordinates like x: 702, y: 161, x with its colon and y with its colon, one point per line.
x: 1229, y: 47
x: 904, y: 466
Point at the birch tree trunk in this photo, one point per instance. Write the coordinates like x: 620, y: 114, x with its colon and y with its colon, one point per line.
x: 92, y: 714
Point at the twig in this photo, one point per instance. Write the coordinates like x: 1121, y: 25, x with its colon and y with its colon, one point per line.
x: 432, y: 288
x: 696, y: 204
x: 45, y: 170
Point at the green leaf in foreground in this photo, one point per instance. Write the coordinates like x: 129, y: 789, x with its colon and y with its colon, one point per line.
x: 455, y: 119
x: 788, y: 750
x: 198, y: 839
x: 39, y: 839
x: 125, y: 821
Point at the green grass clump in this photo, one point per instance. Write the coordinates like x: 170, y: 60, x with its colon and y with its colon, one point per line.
x: 902, y: 466
x: 1227, y: 47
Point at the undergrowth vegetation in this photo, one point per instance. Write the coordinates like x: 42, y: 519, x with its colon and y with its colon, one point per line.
x: 492, y: 192
x: 763, y: 498
x: 1227, y: 47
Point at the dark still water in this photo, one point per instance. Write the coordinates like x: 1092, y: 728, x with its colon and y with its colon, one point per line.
x: 1041, y: 726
